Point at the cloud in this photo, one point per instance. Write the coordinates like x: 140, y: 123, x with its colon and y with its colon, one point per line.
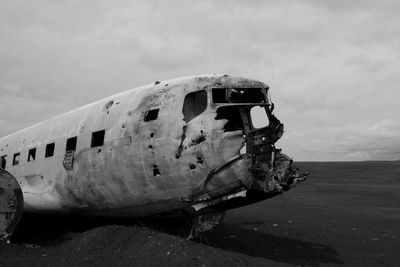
x: 365, y: 64
x: 330, y: 65
x: 378, y: 141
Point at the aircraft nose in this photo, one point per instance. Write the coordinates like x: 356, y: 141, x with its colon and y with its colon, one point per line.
x: 283, y: 176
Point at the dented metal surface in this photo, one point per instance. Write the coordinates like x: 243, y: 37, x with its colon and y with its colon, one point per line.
x: 166, y: 149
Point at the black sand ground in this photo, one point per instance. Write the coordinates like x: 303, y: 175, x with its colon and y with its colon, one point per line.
x: 346, y: 214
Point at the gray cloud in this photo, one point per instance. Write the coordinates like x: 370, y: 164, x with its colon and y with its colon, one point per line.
x: 331, y: 65
x: 360, y: 141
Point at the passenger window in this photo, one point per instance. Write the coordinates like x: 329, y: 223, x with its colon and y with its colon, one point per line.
x: 151, y: 115
x: 16, y: 159
x: 195, y: 103
x: 31, y: 154
x: 49, y: 150
x: 3, y: 161
x: 98, y: 138
x: 71, y: 144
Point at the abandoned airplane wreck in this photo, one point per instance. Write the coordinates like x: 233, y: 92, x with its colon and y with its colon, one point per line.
x: 188, y: 147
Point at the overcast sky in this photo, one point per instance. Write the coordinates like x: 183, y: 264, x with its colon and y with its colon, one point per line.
x: 333, y: 66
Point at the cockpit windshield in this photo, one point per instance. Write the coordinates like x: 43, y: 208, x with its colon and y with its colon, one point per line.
x: 238, y: 95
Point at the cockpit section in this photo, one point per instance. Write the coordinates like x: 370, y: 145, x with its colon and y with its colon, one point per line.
x: 246, y: 115
x: 245, y: 108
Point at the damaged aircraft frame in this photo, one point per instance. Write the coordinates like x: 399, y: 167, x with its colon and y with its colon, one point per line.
x: 190, y: 146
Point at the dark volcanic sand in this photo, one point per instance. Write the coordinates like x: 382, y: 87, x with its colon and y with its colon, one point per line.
x: 345, y: 214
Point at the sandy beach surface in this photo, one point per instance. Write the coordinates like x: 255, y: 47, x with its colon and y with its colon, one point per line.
x: 346, y: 214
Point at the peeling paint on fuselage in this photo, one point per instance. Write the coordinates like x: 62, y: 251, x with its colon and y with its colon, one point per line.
x: 144, y: 167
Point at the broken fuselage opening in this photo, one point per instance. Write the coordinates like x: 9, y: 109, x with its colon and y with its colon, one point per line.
x: 232, y: 115
x: 244, y: 108
x: 252, y: 118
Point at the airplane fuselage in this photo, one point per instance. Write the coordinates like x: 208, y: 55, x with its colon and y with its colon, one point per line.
x: 179, y: 145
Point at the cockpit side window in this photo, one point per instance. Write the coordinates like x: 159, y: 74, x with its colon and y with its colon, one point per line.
x: 259, y: 117
x: 195, y: 103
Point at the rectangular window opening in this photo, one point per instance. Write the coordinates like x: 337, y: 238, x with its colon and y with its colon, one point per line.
x: 31, y: 154
x: 16, y: 159
x: 49, y: 150
x: 98, y: 138
x: 71, y: 144
x: 3, y: 161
